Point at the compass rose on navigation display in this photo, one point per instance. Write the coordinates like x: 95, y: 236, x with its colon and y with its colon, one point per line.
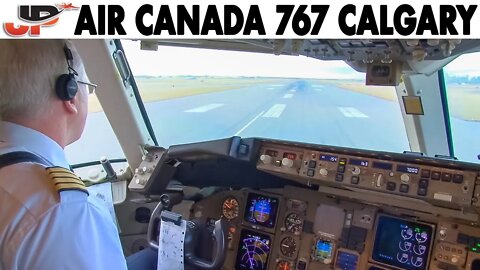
x: 253, y: 251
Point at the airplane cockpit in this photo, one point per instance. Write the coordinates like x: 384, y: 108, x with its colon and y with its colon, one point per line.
x: 364, y: 156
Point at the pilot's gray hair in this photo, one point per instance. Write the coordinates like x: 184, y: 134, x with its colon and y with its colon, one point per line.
x: 28, y: 72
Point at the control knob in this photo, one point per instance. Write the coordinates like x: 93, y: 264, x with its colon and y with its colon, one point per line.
x: 266, y: 159
x: 323, y: 172
x: 286, y: 162
x: 139, y: 171
x: 442, y: 233
x: 141, y: 181
x: 405, y: 178
x: 356, y: 170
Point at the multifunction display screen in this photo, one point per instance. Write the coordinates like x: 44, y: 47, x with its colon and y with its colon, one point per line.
x: 253, y: 251
x: 261, y: 210
x: 401, y: 243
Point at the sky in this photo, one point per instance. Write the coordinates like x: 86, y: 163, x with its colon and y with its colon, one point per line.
x: 465, y: 65
x: 171, y: 61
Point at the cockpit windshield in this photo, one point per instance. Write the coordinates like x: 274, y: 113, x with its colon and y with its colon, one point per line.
x: 194, y: 95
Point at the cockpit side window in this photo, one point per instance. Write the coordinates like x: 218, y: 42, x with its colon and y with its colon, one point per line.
x: 462, y: 80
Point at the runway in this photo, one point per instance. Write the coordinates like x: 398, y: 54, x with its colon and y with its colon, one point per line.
x: 298, y: 110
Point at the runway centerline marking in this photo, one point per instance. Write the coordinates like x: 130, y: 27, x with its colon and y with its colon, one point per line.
x: 205, y: 108
x: 352, y: 112
x: 275, y: 111
x: 288, y: 96
x: 248, y: 124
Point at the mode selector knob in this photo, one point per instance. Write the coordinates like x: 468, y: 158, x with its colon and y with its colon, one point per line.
x: 323, y: 172
x: 405, y: 178
x: 356, y: 170
x: 286, y: 162
x: 266, y: 159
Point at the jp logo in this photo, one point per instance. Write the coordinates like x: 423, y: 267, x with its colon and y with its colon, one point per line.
x: 36, y: 16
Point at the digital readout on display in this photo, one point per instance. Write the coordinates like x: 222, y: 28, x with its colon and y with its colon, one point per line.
x: 329, y: 158
x: 358, y: 162
x: 401, y: 243
x: 407, y: 169
x: 261, y: 210
x: 291, y: 156
x: 382, y: 165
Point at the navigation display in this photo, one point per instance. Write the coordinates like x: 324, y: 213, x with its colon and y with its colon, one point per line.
x: 401, y: 243
x: 253, y: 251
x: 261, y: 210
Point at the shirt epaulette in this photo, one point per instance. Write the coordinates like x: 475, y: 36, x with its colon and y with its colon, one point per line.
x: 64, y: 179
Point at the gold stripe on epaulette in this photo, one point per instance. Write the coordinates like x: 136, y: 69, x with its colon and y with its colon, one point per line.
x: 62, y: 174
x: 56, y: 178
x: 64, y: 179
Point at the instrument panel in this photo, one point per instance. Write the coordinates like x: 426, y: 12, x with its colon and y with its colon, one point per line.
x: 296, y: 228
x: 438, y: 182
x: 311, y: 227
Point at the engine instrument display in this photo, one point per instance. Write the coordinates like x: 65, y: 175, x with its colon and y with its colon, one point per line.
x: 401, y: 243
x: 261, y: 210
x: 253, y: 251
x: 230, y: 208
x: 293, y: 223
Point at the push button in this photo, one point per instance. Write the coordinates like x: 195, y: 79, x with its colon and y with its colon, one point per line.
x: 436, y: 175
x: 391, y: 186
x: 422, y: 191
x: 423, y: 183
x: 355, y: 180
x: 311, y: 172
x: 447, y: 177
x: 458, y: 178
x: 425, y: 173
x: 312, y: 164
x: 341, y: 168
x: 404, y: 188
x: 339, y: 177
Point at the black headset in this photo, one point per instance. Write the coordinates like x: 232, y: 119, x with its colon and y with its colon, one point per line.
x: 66, y: 86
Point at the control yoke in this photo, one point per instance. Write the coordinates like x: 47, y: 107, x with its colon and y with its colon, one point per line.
x: 191, y: 238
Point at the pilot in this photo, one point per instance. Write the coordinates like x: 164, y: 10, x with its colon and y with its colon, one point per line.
x: 47, y: 219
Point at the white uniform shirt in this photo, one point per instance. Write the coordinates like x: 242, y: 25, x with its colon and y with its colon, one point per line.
x: 42, y: 229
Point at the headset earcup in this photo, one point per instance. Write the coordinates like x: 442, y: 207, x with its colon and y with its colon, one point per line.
x: 66, y: 87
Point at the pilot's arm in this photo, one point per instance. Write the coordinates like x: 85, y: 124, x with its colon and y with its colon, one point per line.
x: 54, y: 224
x: 74, y: 234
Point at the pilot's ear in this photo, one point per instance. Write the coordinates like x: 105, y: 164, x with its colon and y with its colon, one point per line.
x: 71, y: 106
